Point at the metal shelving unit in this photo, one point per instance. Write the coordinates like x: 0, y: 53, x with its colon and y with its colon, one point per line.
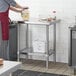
x: 28, y: 51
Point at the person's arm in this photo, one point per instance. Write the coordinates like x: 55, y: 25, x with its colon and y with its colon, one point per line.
x: 15, y: 4
x: 15, y: 9
x: 18, y: 6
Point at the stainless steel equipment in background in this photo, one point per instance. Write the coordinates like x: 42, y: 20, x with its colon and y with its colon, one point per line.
x: 72, y: 53
x: 13, y: 41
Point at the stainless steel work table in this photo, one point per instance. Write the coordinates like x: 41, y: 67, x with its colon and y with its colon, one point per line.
x: 48, y: 52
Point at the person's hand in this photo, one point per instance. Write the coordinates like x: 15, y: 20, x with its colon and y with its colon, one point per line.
x: 24, y: 8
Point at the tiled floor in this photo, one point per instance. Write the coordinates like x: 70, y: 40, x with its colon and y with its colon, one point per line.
x: 58, y: 68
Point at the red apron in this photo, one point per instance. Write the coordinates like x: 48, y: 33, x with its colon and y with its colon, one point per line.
x: 4, y: 19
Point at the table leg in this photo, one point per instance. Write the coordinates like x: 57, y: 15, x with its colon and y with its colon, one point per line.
x: 10, y: 74
x: 54, y: 43
x: 27, y: 37
x: 18, y: 41
x: 47, y: 45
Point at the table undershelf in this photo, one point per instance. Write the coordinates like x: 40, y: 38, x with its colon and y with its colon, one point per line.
x: 29, y: 51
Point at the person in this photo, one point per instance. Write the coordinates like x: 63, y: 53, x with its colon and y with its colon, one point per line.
x: 5, y: 6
